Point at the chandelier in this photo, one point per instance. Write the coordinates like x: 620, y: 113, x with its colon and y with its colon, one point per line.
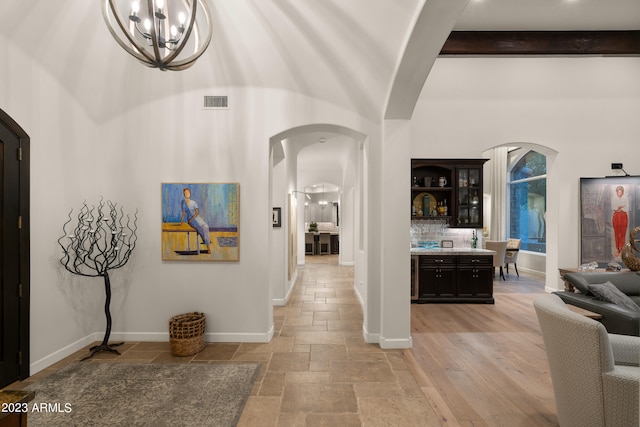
x: 164, y: 34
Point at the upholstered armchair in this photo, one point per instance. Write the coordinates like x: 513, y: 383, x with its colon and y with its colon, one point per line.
x: 595, y: 375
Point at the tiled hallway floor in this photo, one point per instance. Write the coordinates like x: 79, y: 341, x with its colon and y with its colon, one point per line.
x: 317, y: 370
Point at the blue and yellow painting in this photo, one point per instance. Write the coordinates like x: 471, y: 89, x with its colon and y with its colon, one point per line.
x: 200, y: 222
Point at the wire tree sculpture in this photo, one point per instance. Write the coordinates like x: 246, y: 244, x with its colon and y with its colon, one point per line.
x: 102, y: 239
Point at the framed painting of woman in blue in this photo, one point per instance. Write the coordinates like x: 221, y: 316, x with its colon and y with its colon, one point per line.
x: 610, y: 209
x: 200, y: 222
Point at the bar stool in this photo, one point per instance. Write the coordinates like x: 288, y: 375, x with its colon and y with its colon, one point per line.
x: 325, y: 243
x: 308, y: 243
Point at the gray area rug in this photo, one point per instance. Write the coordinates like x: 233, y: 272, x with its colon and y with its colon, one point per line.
x: 103, y: 394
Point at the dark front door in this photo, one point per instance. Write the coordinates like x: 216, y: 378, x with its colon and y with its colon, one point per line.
x: 14, y: 252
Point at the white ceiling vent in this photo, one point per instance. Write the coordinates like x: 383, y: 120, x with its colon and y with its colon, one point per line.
x: 216, y: 102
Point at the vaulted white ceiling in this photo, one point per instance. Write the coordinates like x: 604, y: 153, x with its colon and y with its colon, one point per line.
x: 341, y: 51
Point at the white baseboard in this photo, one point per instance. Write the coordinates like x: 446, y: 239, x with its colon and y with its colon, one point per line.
x: 395, y: 343
x: 360, y: 299
x: 369, y: 337
x: 386, y: 343
x: 281, y: 302
x: 68, y: 350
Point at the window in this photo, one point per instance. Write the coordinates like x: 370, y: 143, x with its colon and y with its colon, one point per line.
x: 527, y: 184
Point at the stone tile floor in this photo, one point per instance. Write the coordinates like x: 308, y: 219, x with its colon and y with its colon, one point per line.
x: 319, y: 370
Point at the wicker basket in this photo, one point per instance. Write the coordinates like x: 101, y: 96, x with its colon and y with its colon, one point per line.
x: 186, y: 333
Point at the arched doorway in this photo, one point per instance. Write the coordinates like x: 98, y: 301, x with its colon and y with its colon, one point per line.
x: 301, y: 157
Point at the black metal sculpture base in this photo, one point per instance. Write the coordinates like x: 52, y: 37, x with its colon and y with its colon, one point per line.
x: 105, y: 346
x: 102, y: 347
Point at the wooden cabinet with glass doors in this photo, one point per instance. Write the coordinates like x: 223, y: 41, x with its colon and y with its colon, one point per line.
x: 454, y: 183
x: 469, y: 197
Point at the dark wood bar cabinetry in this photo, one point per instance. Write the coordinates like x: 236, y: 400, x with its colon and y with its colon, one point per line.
x: 465, y: 277
x: 437, y: 277
x: 475, y: 277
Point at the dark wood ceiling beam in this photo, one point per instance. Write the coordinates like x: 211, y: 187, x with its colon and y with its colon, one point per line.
x: 542, y: 43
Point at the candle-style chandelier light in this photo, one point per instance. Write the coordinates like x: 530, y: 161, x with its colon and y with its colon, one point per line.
x: 164, y: 34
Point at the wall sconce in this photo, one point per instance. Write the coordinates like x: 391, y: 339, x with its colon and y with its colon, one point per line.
x: 618, y: 166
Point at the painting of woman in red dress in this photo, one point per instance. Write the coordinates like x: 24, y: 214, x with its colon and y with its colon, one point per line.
x: 619, y: 219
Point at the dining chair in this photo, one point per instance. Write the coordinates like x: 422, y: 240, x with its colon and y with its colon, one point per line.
x: 511, y: 256
x: 500, y: 249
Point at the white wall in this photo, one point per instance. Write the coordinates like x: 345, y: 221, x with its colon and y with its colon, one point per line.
x: 277, y: 253
x: 393, y: 237
x: 585, y: 108
x: 230, y: 145
x: 63, y: 143
x: 348, y: 221
x: 348, y: 200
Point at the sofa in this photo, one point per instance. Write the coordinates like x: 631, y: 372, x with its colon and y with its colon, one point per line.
x: 619, y: 317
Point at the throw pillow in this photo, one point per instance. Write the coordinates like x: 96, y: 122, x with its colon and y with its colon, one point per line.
x: 608, y: 292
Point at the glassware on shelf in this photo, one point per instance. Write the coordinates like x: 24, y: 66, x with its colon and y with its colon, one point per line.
x: 474, y: 177
x: 462, y: 178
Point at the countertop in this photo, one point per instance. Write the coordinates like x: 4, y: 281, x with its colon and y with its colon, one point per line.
x: 451, y: 251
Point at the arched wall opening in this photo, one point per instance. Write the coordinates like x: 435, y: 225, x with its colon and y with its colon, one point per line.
x: 536, y: 263
x: 300, y: 157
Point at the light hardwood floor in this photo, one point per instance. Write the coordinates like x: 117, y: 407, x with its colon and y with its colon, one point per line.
x: 470, y: 365
x: 484, y: 365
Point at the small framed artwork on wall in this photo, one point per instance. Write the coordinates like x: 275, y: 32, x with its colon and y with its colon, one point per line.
x: 200, y: 222
x: 277, y: 217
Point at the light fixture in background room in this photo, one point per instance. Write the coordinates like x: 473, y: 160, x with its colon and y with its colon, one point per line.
x: 323, y: 202
x: 164, y: 34
x: 303, y: 192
